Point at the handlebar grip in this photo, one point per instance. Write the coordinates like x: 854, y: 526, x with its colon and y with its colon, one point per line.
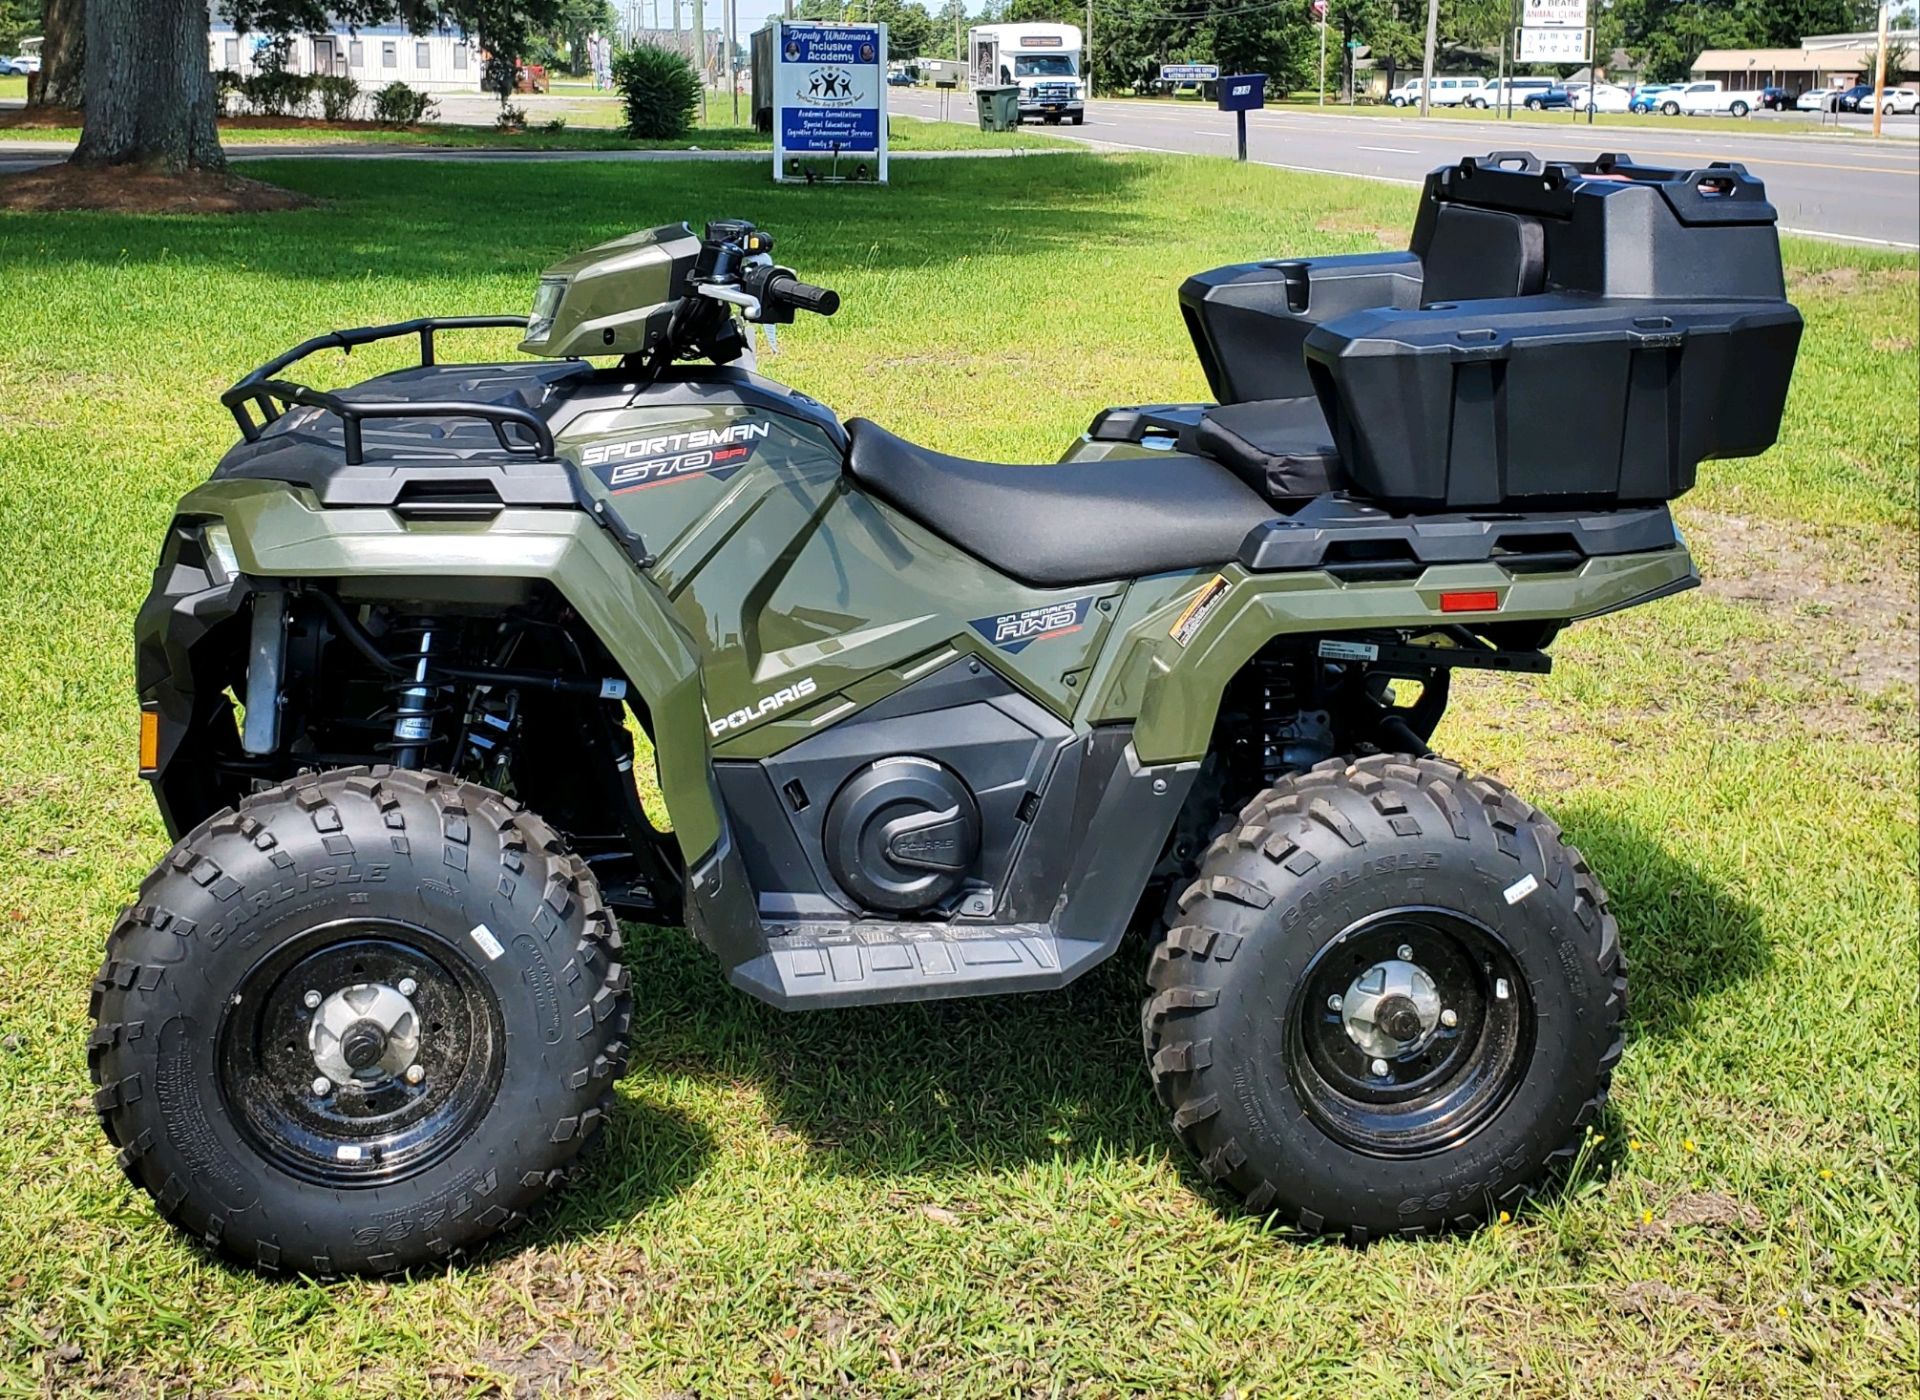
x: 822, y: 301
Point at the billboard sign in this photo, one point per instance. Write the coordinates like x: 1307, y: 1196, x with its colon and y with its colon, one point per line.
x: 829, y: 99
x: 1553, y: 45
x: 1553, y: 14
x: 1189, y: 72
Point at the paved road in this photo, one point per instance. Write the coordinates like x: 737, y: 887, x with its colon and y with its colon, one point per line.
x: 1834, y: 186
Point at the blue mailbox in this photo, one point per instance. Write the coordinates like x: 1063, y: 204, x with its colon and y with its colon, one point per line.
x: 1241, y: 94
x: 1244, y: 92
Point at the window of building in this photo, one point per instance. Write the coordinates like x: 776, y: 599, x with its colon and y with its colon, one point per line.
x: 233, y: 53
x: 459, y: 58
x: 356, y: 53
x: 421, y: 57
x: 388, y: 58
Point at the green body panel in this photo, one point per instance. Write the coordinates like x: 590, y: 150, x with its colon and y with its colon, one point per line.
x: 612, y: 299
x: 282, y: 532
x: 1172, y: 690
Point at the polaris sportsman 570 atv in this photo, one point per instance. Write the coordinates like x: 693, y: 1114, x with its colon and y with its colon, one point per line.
x: 924, y: 726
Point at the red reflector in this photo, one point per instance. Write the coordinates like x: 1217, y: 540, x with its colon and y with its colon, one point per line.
x: 1475, y: 600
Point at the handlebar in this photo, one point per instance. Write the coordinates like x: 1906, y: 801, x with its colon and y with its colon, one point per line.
x: 785, y: 288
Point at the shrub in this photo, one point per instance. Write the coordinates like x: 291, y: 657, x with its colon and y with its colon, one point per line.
x: 274, y: 92
x: 226, y: 86
x: 396, y: 104
x: 338, y: 95
x: 660, y: 89
x: 510, y: 118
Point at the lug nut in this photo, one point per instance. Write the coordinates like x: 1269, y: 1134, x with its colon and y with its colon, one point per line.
x: 1449, y: 1019
x: 1500, y: 989
x: 408, y: 986
x: 312, y: 1000
x: 323, y: 1086
x: 1334, y: 1002
x: 1380, y: 1068
x: 415, y: 1074
x: 1406, y: 952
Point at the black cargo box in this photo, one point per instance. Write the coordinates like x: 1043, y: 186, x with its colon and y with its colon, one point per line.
x: 1566, y: 332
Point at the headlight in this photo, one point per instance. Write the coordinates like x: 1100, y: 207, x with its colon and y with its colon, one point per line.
x: 219, y: 546
x: 546, y: 302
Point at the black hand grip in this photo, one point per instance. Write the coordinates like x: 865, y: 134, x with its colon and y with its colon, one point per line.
x: 822, y: 301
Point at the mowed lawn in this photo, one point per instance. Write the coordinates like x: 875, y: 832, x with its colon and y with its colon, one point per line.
x: 982, y: 1199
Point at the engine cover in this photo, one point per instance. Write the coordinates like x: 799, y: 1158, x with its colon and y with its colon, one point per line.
x: 902, y: 833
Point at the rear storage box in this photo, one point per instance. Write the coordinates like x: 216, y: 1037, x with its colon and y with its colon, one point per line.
x: 1565, y: 333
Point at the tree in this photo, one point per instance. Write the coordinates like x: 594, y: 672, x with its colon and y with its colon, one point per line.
x: 950, y: 31
x: 63, y: 54
x: 149, y: 95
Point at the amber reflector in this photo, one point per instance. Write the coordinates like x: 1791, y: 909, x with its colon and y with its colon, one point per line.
x: 149, y: 740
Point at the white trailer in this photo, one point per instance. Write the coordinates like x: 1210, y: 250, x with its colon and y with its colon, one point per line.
x: 1042, y: 60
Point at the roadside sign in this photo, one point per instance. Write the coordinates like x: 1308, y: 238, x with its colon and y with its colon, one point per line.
x: 829, y: 99
x: 1553, y: 14
x: 1553, y: 45
x: 1244, y: 92
x: 1189, y: 72
x: 1319, y: 9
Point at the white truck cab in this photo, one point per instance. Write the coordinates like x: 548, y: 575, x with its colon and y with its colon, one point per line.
x: 1042, y: 60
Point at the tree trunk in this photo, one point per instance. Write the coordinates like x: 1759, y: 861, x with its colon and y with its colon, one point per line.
x: 63, y: 56
x: 149, y: 94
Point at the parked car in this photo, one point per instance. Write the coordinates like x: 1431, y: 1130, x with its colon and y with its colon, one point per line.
x: 900, y: 79
x: 1777, y: 99
x: 1554, y: 98
x: 1709, y: 99
x: 1447, y: 92
x: 1646, y: 97
x: 1857, y: 98
x: 20, y: 65
x: 1900, y: 102
x: 1602, y: 97
x: 1502, y: 90
x: 1817, y: 99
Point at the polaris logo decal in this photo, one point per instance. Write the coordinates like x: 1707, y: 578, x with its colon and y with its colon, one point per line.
x: 749, y: 714
x: 1016, y: 631
x: 638, y: 463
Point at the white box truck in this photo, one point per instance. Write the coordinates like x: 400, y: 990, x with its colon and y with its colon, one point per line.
x: 1042, y: 60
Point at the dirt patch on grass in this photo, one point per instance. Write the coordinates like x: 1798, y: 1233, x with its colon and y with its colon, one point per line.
x: 1852, y: 605
x: 139, y: 190
x: 33, y: 118
x: 1852, y: 279
x: 1387, y: 236
x: 1703, y: 1210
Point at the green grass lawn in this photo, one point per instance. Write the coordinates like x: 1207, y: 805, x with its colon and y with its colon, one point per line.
x: 982, y: 1199
x: 15, y: 86
x: 720, y: 134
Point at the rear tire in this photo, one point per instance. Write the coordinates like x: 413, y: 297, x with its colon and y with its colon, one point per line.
x: 354, y: 929
x: 1389, y: 866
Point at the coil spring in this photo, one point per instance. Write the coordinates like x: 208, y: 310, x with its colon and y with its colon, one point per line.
x: 1292, y: 737
x: 417, y: 701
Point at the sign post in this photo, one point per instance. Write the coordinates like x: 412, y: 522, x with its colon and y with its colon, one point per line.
x: 1320, y: 14
x: 1241, y: 94
x: 829, y: 99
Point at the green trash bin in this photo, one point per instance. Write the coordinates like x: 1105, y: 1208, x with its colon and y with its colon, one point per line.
x: 999, y: 108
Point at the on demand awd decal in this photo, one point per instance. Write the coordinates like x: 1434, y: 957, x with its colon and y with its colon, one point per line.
x: 638, y: 463
x: 1015, y: 631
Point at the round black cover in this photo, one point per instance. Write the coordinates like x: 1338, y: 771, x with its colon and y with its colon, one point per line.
x: 902, y: 833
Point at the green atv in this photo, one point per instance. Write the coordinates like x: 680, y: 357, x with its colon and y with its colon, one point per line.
x: 925, y: 727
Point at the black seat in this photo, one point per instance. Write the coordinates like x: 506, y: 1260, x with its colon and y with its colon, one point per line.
x: 1282, y: 448
x: 1069, y: 522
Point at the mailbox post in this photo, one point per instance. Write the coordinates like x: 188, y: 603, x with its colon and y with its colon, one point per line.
x: 1241, y: 94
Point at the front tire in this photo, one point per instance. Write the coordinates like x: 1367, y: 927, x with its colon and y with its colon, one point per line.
x: 1390, y: 1003
x: 362, y: 1023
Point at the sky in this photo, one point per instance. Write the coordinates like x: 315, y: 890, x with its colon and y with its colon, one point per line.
x: 753, y: 13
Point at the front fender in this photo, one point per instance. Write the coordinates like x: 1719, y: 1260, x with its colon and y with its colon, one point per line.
x: 283, y: 532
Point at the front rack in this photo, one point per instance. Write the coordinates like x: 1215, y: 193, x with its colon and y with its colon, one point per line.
x: 263, y: 390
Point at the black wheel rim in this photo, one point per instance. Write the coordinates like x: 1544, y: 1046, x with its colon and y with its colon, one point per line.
x: 414, y: 1093
x: 1454, y: 1041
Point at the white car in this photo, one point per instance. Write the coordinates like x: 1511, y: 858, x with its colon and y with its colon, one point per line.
x: 1899, y: 102
x: 1447, y: 92
x: 1605, y: 97
x: 1818, y: 99
x: 1496, y: 93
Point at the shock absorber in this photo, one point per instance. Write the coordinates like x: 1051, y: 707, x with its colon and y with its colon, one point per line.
x: 1293, y: 736
x: 416, y: 699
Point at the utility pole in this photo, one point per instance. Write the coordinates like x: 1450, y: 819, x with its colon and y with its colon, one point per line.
x: 1426, y: 69
x: 1879, y: 68
x: 1089, y: 74
x: 733, y: 59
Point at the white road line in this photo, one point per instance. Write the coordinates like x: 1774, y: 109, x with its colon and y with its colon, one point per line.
x: 1393, y: 150
x: 1852, y: 238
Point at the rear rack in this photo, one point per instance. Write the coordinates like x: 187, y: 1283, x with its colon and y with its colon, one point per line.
x: 265, y: 391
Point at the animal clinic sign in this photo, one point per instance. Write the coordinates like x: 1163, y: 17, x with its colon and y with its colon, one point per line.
x: 830, y: 99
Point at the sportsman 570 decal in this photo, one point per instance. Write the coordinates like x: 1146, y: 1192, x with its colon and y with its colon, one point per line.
x: 654, y: 461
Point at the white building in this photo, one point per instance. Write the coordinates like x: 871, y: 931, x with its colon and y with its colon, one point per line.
x: 373, y: 55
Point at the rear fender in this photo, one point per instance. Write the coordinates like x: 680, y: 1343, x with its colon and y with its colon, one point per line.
x: 282, y: 532
x: 1179, y: 639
